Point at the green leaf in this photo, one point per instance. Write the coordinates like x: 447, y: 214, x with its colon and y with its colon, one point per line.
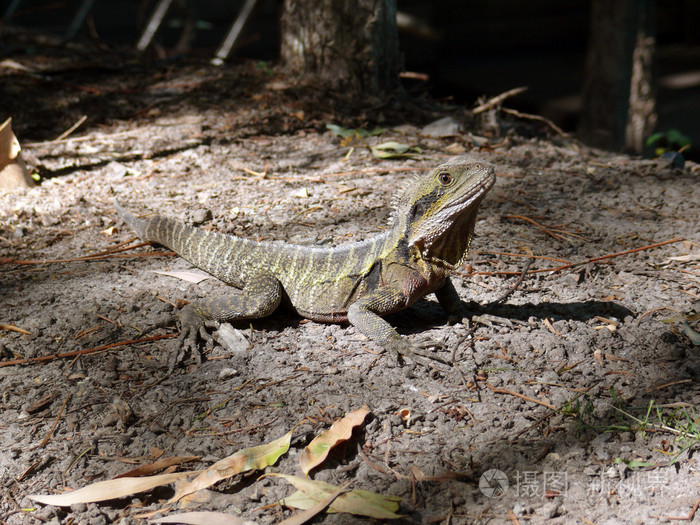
x: 254, y: 458
x: 394, y: 150
x: 340, y: 131
x: 358, y: 502
x: 633, y: 463
x: 692, y: 334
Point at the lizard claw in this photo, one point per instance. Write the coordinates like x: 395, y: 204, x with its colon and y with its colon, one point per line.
x: 419, y: 353
x: 193, y: 327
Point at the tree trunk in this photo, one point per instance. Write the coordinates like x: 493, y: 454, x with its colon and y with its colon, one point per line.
x: 348, y: 46
x: 618, y: 93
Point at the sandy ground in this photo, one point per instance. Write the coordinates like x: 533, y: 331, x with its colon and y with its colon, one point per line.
x: 577, y: 397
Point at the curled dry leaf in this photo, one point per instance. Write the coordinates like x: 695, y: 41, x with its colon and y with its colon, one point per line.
x: 13, y: 171
x: 317, y: 451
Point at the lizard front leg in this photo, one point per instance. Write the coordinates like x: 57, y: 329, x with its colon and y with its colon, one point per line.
x: 260, y: 296
x: 363, y: 315
x: 450, y: 301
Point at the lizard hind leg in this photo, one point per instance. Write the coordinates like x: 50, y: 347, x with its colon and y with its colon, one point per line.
x: 260, y: 296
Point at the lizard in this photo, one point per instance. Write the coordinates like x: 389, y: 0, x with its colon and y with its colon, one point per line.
x: 428, y: 237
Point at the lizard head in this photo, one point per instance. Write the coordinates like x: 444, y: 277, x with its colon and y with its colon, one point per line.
x: 437, y: 211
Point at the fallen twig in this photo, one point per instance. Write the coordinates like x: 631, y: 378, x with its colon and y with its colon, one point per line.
x: 582, y: 263
x: 554, y: 232
x: 521, y: 396
x: 690, y: 515
x: 53, y: 427
x: 41, y: 359
x: 69, y: 130
x: 495, y: 101
x: 538, y: 118
x: 96, y: 257
x: 512, y: 289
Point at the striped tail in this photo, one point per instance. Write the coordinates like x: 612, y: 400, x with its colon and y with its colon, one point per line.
x: 223, y: 256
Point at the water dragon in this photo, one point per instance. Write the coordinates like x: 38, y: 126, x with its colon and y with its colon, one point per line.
x: 428, y: 237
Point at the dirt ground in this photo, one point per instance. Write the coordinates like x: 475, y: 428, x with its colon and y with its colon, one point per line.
x: 581, y: 388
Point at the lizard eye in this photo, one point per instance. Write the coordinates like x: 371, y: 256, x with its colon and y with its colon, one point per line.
x: 444, y: 177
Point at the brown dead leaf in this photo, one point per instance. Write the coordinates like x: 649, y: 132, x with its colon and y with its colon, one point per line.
x: 13, y: 171
x: 317, y: 451
x: 157, y: 466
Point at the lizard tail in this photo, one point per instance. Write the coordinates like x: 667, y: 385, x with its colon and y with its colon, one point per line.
x: 138, y: 225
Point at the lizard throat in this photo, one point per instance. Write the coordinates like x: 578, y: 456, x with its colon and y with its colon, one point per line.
x: 449, y: 250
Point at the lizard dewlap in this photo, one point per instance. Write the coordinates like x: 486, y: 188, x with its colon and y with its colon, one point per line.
x: 428, y: 237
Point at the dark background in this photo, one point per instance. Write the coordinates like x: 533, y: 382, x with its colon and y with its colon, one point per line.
x: 467, y: 48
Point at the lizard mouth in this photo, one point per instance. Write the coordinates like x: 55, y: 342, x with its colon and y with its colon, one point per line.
x: 476, y: 192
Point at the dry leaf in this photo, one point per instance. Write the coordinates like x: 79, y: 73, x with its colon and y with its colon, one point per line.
x: 317, y: 451
x: 13, y: 171
x: 357, y: 502
x: 312, y: 511
x: 247, y: 459
x: 156, y: 466
x: 110, y: 489
x: 394, y: 150
x: 203, y: 518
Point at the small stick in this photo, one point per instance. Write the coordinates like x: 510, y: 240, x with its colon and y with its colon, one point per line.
x: 495, y: 101
x: 538, y: 118
x: 69, y: 130
x: 690, y: 515
x: 33, y: 360
x: 512, y: 289
x: 53, y: 427
x: 548, y: 231
x: 509, y: 254
x: 588, y: 261
x: 109, y: 255
x: 84, y: 138
x: 521, y: 396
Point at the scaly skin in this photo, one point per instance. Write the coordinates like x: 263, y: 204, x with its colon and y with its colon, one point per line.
x: 428, y: 237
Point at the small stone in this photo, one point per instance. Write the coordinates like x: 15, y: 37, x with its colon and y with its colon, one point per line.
x: 602, y: 454
x: 444, y: 127
x: 626, y: 437
x: 228, y: 373
x: 201, y: 216
x: 231, y: 339
x: 551, y: 509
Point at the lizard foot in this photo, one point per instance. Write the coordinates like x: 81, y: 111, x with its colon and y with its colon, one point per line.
x: 193, y: 327
x: 419, y: 352
x: 423, y: 346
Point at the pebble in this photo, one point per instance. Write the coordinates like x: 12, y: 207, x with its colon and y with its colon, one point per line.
x: 551, y: 509
x: 443, y: 127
